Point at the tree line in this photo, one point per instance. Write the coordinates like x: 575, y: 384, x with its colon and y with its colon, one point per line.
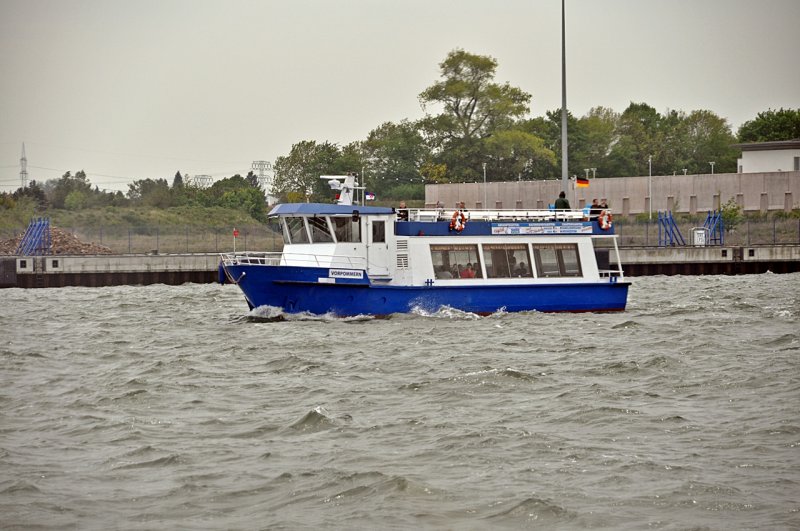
x: 472, y: 127
x: 75, y: 192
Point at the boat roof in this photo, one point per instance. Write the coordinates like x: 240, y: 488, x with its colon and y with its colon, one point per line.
x: 325, y: 209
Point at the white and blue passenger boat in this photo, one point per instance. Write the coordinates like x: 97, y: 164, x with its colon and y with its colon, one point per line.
x: 345, y: 259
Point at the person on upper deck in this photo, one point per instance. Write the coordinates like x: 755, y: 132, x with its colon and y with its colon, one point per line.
x: 562, y: 203
x: 402, y: 212
x: 594, y: 210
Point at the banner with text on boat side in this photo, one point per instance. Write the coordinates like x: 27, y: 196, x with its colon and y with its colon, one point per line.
x: 345, y: 273
x: 583, y: 227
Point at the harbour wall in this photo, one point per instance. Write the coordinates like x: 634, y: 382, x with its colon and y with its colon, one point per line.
x: 629, y: 196
x: 175, y: 269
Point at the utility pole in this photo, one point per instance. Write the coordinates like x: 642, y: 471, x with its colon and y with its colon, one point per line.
x: 650, y: 185
x: 564, y: 146
x: 485, y: 206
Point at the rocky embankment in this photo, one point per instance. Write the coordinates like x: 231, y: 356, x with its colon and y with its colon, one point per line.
x: 63, y: 243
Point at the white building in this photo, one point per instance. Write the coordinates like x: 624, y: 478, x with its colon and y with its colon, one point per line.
x: 761, y: 157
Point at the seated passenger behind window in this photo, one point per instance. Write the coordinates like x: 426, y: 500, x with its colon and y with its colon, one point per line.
x: 443, y: 272
x: 522, y: 270
x: 468, y: 272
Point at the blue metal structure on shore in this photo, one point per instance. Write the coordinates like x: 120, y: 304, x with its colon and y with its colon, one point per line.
x: 668, y: 232
x: 37, y: 240
x: 716, y: 227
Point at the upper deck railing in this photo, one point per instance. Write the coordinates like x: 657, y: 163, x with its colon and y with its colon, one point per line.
x: 442, y: 214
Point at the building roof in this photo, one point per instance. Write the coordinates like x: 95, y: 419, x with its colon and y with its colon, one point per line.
x: 769, y: 146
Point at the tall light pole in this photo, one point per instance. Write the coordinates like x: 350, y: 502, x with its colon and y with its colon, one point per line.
x: 485, y: 206
x: 594, y: 172
x: 650, y: 184
x: 712, y: 167
x: 564, y: 168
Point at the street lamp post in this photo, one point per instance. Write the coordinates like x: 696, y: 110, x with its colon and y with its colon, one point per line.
x: 594, y: 172
x: 485, y: 207
x: 650, y: 185
x: 712, y: 167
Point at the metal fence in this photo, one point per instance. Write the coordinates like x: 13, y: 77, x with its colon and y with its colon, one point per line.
x: 140, y: 240
x: 745, y: 233
x: 164, y: 240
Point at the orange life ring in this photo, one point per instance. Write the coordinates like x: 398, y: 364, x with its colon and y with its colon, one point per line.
x: 458, y: 221
x: 605, y: 220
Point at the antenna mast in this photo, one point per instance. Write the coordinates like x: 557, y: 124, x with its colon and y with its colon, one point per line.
x: 23, y: 168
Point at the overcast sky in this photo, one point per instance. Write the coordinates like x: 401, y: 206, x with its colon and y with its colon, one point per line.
x: 134, y: 89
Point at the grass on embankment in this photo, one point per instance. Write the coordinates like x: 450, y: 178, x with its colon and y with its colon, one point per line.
x: 194, y: 216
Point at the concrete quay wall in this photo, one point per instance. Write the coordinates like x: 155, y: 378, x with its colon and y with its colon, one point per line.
x: 642, y: 261
x: 175, y: 269
x: 629, y: 196
x: 107, y: 270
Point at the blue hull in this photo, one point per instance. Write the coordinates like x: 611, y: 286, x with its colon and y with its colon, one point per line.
x: 298, y: 289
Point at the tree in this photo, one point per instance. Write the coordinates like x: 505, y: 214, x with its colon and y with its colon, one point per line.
x: 150, y: 192
x: 709, y: 138
x: 637, y: 140
x: 59, y: 189
x: 598, y: 129
x: 299, y: 172
x: 473, y: 108
x: 393, y: 154
x: 177, y: 181
x: 514, y: 153
x: 35, y: 191
x: 783, y: 124
x: 252, y: 179
x: 250, y: 199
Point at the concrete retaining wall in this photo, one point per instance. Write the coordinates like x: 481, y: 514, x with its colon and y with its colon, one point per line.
x: 755, y: 192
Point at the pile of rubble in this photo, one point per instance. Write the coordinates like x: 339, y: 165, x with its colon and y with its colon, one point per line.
x: 63, y: 243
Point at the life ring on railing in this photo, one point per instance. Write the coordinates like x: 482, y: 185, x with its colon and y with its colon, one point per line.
x: 458, y: 221
x: 605, y: 220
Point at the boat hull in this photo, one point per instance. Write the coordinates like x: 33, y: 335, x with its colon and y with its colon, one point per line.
x: 308, y: 289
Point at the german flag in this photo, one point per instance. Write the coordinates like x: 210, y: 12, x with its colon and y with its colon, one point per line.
x: 582, y: 182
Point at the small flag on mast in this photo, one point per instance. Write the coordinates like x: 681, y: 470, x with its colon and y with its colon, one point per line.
x: 582, y: 182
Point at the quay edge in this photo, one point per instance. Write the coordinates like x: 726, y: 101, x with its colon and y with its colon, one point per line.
x: 175, y: 269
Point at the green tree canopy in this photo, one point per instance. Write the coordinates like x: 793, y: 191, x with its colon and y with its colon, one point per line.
x: 393, y: 154
x: 473, y: 107
x: 770, y: 125
x: 299, y: 172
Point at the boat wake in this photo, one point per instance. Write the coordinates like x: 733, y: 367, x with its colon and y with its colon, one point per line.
x: 273, y: 314
x: 448, y: 312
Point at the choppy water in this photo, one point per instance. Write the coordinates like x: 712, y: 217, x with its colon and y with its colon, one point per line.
x: 172, y: 407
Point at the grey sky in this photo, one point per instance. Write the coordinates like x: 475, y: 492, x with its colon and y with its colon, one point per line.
x: 128, y: 89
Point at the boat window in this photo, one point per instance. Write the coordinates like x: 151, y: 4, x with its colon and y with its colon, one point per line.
x: 319, y: 230
x: 557, y: 260
x: 456, y: 261
x: 296, y: 230
x: 347, y: 230
x: 378, y: 231
x: 507, y: 260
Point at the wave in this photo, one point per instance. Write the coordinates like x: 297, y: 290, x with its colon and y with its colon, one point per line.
x: 315, y: 420
x: 534, y: 509
x: 167, y: 460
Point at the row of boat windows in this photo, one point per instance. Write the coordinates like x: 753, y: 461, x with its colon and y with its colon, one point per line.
x: 506, y: 260
x: 328, y: 230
